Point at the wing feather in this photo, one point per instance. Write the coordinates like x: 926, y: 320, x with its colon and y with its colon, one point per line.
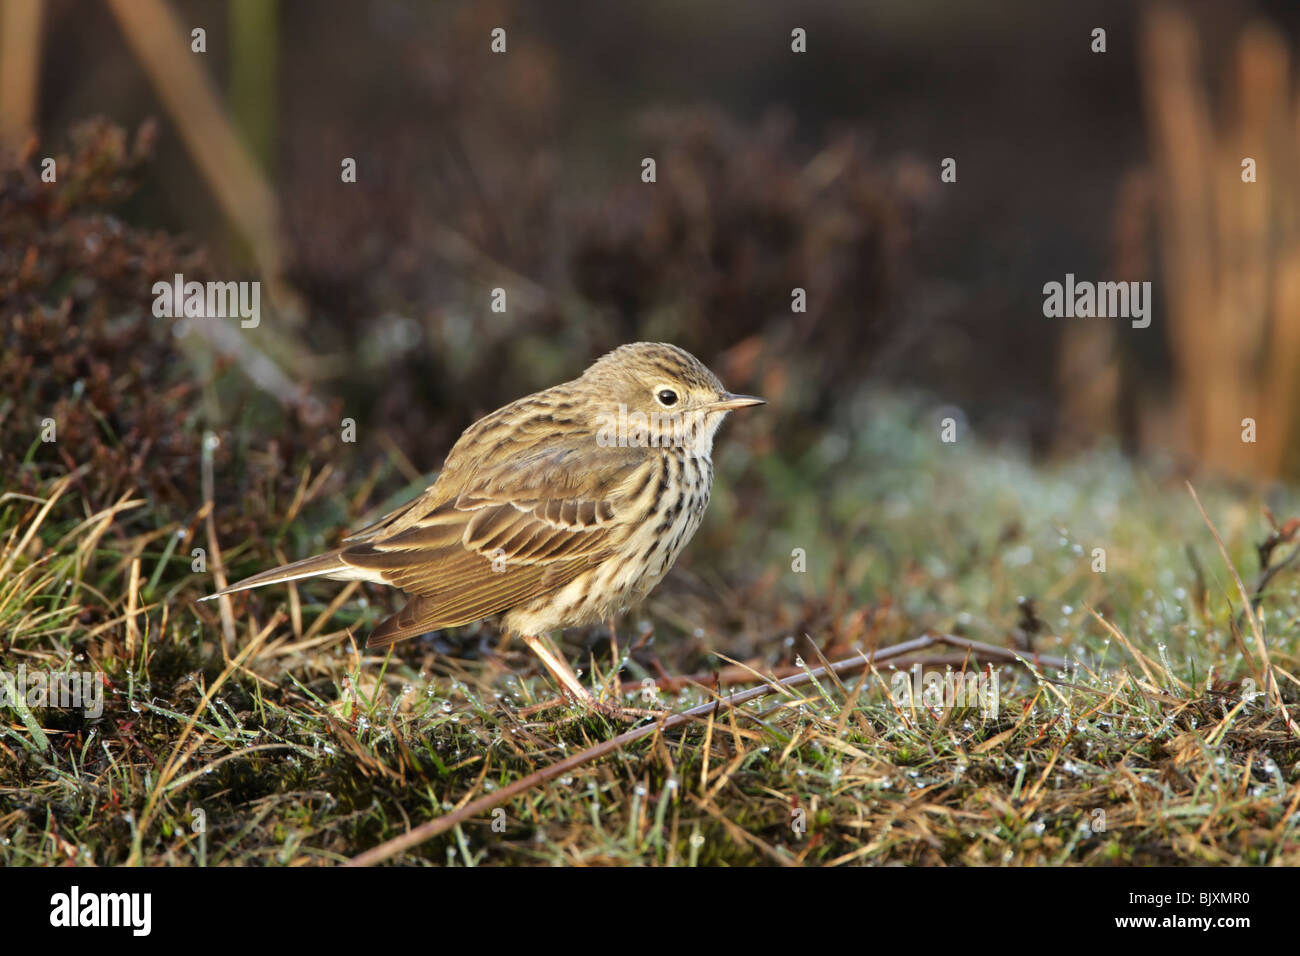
x: 524, y: 528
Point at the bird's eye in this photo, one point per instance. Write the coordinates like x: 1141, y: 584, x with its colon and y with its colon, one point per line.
x: 667, y: 397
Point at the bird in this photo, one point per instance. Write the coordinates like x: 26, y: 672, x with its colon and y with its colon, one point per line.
x: 560, y: 509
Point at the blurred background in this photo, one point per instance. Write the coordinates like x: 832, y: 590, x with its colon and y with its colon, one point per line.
x: 522, y: 170
x: 776, y: 170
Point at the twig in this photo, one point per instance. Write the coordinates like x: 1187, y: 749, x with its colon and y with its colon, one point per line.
x: 161, y: 46
x: 1271, y: 570
x: 432, y: 828
x: 744, y: 674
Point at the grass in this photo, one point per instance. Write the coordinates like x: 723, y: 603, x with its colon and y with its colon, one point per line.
x: 290, y: 744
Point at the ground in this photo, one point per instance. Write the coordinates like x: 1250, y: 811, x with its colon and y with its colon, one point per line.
x: 286, y: 742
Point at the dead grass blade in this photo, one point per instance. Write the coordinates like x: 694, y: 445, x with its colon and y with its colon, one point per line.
x: 1266, y: 665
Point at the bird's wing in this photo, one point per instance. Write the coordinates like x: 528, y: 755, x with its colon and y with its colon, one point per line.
x: 375, y: 527
x: 508, y: 440
x: 519, y: 529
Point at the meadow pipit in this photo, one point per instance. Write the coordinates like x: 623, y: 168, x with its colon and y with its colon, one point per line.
x: 560, y: 509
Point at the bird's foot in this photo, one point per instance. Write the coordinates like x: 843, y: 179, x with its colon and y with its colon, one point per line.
x: 573, y: 691
x: 630, y: 714
x: 590, y: 705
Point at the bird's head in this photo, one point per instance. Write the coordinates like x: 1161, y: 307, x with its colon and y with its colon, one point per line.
x: 658, y: 395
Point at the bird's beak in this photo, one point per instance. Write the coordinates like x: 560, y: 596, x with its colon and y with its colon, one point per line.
x: 729, y: 401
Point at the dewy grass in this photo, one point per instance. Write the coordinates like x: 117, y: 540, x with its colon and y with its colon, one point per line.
x: 1155, y: 743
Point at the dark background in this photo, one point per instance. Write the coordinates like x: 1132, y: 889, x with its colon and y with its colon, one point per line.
x: 534, y: 157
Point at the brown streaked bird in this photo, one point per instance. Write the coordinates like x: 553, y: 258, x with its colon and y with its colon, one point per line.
x: 560, y: 509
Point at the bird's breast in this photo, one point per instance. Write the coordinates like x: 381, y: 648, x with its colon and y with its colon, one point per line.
x: 673, y: 513
x: 668, y: 510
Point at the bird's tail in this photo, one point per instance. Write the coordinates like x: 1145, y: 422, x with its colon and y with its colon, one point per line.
x: 323, y: 564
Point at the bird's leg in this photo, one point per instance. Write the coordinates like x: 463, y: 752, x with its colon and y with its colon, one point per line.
x: 573, y: 688
x: 618, y: 664
x: 559, y: 669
